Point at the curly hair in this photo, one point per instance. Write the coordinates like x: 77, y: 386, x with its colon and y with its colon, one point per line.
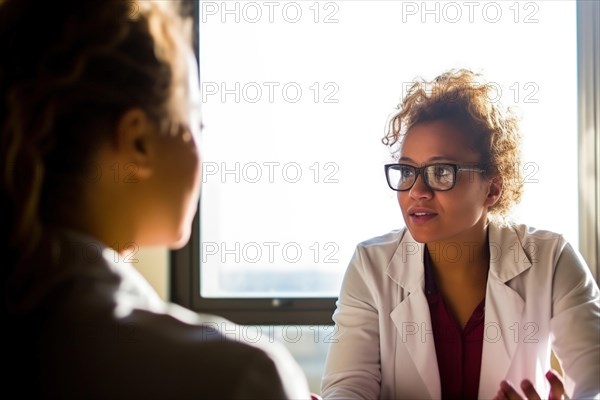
x: 461, y: 96
x: 62, y: 93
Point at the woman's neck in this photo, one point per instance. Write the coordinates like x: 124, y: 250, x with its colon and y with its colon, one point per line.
x: 461, y: 256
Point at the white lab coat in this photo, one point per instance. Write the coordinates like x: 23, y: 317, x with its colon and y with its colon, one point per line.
x: 99, y: 330
x: 540, y: 296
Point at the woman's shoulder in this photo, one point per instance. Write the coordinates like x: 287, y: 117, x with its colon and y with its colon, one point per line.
x: 513, y: 233
x: 381, y: 249
x: 193, y: 359
x: 514, y: 247
x: 391, y: 239
x: 110, y: 312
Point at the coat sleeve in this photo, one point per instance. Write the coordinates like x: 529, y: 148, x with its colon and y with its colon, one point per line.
x: 575, y: 325
x: 353, y: 367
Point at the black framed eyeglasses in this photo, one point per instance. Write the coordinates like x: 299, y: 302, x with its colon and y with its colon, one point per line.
x: 438, y: 177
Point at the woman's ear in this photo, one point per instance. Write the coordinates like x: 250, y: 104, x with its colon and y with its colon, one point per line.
x: 134, y: 144
x: 494, y: 191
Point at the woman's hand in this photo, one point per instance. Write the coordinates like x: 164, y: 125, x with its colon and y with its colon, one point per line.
x: 508, y: 392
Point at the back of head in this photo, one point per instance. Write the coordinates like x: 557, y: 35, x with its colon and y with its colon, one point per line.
x: 69, y: 70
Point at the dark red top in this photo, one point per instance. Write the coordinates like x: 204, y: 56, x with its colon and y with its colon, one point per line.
x: 458, y: 350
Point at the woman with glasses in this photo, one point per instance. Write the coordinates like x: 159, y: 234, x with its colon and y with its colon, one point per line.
x: 462, y: 303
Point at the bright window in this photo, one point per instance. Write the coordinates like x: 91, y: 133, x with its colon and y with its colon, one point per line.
x: 296, y: 96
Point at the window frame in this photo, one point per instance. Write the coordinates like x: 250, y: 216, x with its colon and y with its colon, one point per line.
x: 185, y: 290
x: 184, y: 263
x: 588, y: 108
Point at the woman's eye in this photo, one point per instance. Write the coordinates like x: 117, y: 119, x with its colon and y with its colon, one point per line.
x: 442, y: 171
x: 406, y: 173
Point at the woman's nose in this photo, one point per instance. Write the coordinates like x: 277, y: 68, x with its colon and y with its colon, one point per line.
x: 420, y: 190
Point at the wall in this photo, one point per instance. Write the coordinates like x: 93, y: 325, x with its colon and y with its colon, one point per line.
x: 153, y: 264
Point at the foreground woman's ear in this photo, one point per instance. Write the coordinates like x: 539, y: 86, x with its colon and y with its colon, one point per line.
x: 134, y: 141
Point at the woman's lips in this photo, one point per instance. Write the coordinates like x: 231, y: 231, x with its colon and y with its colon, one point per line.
x: 420, y: 216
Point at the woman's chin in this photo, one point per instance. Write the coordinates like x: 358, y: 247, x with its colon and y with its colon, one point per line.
x: 419, y: 235
x: 182, y: 239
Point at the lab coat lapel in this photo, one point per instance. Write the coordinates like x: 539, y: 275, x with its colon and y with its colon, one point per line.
x: 411, y: 316
x: 503, y: 308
